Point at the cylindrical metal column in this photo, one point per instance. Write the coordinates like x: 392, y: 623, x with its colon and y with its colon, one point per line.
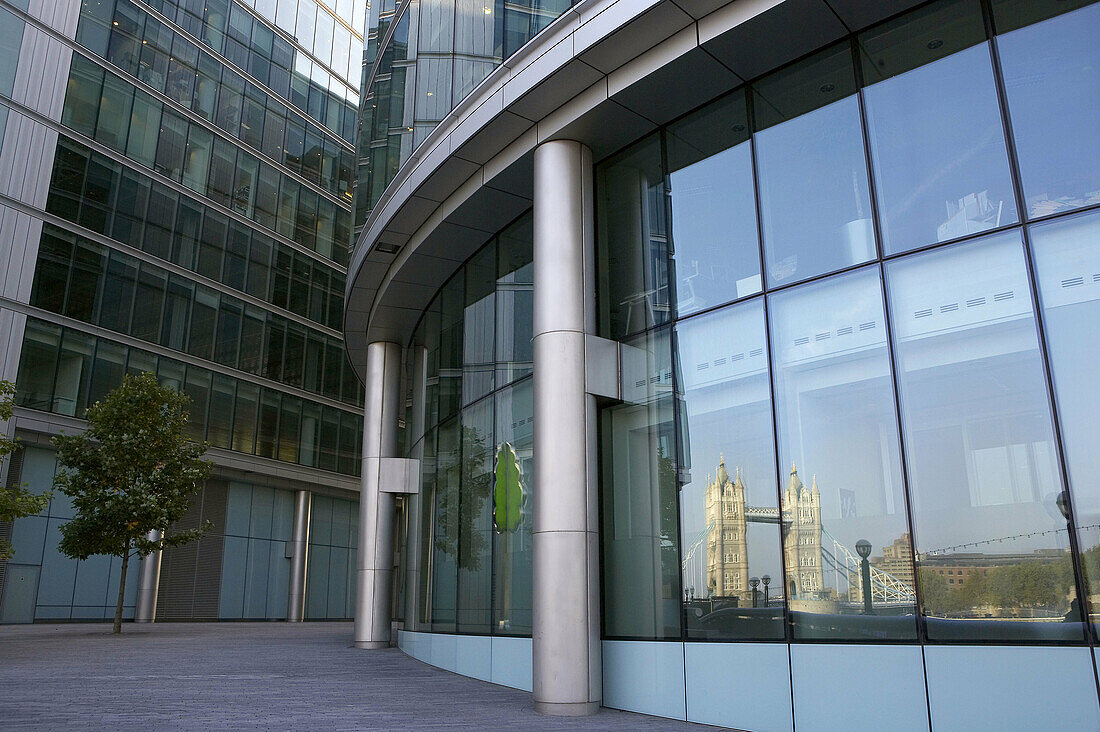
x: 567, y: 673
x: 299, y: 550
x: 145, y: 608
x: 376, y: 509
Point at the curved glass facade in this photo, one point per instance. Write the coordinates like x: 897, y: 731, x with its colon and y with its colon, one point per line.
x: 433, y: 53
x: 476, y: 447
x: 866, y: 410
x: 861, y: 285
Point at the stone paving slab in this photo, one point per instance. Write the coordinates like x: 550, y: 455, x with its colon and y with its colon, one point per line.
x: 276, y: 676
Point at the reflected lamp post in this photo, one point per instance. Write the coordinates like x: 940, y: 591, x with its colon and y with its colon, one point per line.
x: 863, y: 547
x: 767, y: 580
x: 754, y: 582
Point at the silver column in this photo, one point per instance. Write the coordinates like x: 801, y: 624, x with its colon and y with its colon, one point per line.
x: 376, y: 508
x: 145, y: 608
x: 567, y: 672
x: 299, y: 554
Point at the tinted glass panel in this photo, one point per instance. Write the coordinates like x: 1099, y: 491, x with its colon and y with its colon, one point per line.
x: 811, y: 170
x: 1067, y: 267
x: 1052, y: 79
x: 716, y: 250
x: 983, y: 468
x: 729, y: 509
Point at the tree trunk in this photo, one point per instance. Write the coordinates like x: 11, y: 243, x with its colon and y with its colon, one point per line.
x: 121, y: 591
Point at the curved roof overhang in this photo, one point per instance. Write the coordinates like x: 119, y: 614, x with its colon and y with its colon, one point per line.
x: 604, y: 73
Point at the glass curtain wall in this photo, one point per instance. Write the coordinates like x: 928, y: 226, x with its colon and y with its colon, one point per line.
x: 422, y: 58
x: 476, y: 450
x: 862, y: 410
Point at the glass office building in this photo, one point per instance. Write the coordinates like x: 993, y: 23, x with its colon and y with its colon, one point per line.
x: 177, y: 198
x: 732, y: 359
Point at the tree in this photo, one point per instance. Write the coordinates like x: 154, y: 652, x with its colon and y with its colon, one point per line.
x: 131, y: 473
x: 16, y: 501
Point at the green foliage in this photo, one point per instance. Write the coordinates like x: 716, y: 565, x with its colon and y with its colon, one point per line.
x: 131, y: 473
x: 507, y: 491
x: 1029, y: 584
x: 16, y: 501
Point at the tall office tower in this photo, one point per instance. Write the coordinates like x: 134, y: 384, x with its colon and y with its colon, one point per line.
x: 176, y: 197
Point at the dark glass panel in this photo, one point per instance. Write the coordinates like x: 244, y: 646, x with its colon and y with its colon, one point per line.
x: 244, y: 417
x: 37, y: 365
x: 475, y: 519
x: 268, y: 424
x: 639, y: 484
x: 478, y: 324
x: 219, y: 433
x: 445, y: 548
x: 289, y: 419
x: 74, y: 370
x: 197, y: 386
x: 633, y: 240
x: 89, y: 261
x: 149, y: 303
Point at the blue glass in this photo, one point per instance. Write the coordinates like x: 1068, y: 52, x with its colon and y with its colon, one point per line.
x: 1067, y: 269
x: 1052, y: 79
x: 937, y: 144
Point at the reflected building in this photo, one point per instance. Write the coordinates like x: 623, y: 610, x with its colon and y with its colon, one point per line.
x: 176, y: 198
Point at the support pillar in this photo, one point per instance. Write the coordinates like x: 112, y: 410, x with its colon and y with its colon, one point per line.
x: 298, y: 551
x: 374, y: 581
x: 145, y: 608
x: 567, y: 670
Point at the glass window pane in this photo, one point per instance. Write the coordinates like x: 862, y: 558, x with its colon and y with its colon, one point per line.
x: 515, y: 302
x: 1067, y: 264
x: 983, y: 466
x: 1052, y: 79
x: 37, y: 364
x: 197, y: 386
x: 512, y: 542
x: 141, y: 145
x: 196, y: 161
x: 633, y: 240
x: 722, y: 363
x: 118, y: 292
x: 110, y: 365
x: 74, y: 367
x: 638, y: 498
x: 445, y: 549
x: 714, y: 239
x: 811, y: 170
x: 934, y: 183
x: 475, y: 559
x: 114, y: 113
x: 838, y: 433
x: 82, y: 95
x: 479, y: 317
x: 220, y: 430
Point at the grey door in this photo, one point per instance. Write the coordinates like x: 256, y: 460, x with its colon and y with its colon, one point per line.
x: 20, y: 592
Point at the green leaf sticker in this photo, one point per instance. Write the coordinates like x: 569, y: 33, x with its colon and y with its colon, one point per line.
x: 508, y: 490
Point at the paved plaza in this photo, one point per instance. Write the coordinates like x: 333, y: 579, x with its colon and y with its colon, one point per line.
x: 250, y: 675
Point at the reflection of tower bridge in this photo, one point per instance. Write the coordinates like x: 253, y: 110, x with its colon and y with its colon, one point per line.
x: 810, y: 552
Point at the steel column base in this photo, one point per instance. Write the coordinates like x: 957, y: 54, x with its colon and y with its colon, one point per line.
x: 372, y: 645
x: 570, y: 709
